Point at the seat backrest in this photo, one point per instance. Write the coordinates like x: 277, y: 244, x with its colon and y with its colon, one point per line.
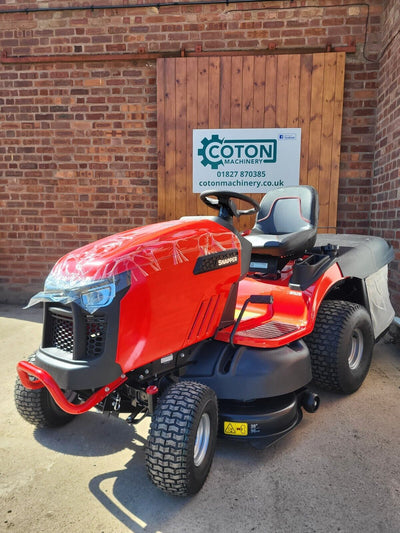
x: 288, y: 210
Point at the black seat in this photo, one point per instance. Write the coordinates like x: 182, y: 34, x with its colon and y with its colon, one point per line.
x: 286, y: 225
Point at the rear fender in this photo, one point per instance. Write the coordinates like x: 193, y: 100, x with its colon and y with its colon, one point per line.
x: 292, y: 314
x: 372, y: 293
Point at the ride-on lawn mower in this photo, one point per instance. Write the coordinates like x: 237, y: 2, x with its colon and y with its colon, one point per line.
x: 206, y: 330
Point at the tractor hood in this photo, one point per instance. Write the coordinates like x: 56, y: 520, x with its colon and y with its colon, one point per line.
x: 91, y: 275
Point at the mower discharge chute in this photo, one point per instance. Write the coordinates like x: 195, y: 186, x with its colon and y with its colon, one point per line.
x: 206, y: 330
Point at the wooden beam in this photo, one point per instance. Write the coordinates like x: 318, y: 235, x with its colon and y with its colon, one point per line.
x: 145, y: 56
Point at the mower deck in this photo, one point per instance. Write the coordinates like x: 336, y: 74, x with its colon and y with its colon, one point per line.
x: 261, y: 422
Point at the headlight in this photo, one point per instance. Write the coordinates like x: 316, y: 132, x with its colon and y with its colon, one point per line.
x: 98, y: 296
x: 89, y: 295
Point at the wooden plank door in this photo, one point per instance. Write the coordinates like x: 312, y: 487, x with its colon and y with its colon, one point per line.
x: 275, y: 91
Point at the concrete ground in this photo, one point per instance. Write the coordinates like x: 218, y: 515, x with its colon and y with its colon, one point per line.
x: 339, y: 471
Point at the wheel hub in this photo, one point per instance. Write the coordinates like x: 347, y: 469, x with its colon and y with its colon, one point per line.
x: 356, y: 349
x: 202, y: 439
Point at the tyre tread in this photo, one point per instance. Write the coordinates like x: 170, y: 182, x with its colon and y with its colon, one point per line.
x: 166, y: 450
x: 325, y: 340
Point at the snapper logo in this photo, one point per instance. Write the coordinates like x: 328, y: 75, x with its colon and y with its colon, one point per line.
x: 208, y: 263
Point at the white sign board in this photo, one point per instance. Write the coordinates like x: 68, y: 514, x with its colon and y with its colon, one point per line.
x: 246, y: 160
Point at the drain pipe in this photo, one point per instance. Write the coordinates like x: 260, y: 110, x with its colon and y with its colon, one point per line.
x: 128, y: 6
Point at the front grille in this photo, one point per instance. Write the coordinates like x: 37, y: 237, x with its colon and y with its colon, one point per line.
x: 91, y: 336
x: 61, y: 331
x: 95, y: 335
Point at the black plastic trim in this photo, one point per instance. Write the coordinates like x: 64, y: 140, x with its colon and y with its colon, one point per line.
x: 208, y: 263
x: 243, y: 373
x: 71, y: 370
x: 308, y: 271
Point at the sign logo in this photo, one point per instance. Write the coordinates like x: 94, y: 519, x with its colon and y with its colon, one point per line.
x: 218, y: 152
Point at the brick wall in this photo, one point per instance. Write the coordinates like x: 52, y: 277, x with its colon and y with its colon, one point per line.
x: 385, y: 212
x: 358, y: 130
x: 78, y: 160
x: 78, y: 157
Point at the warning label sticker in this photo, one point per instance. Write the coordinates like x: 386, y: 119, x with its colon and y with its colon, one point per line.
x: 236, y: 428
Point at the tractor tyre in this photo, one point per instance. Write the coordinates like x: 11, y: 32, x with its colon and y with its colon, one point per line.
x: 182, y: 438
x: 341, y: 346
x: 37, y: 406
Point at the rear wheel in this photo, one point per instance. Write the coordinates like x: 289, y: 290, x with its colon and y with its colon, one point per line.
x: 182, y: 438
x: 341, y: 346
x: 37, y: 406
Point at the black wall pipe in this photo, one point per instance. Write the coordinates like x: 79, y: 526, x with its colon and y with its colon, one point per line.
x: 129, y: 6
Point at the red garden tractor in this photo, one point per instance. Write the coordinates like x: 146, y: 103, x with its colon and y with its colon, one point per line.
x: 206, y: 330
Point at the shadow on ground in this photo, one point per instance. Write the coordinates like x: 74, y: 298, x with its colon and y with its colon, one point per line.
x: 126, y: 493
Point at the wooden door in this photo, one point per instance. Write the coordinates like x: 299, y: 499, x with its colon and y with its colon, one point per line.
x: 272, y: 91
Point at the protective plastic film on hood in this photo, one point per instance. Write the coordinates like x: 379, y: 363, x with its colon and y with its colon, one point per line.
x: 139, y: 259
x: 90, y: 295
x: 93, y: 274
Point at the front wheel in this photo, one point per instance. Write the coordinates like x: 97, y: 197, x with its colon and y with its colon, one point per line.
x: 182, y: 438
x: 37, y: 406
x: 341, y: 346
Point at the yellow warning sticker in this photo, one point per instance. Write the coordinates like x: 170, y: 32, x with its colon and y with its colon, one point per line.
x: 235, y: 428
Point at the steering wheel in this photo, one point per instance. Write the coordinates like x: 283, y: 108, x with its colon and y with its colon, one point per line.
x: 226, y: 206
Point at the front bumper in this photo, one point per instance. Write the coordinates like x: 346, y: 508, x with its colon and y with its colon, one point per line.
x: 28, y: 370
